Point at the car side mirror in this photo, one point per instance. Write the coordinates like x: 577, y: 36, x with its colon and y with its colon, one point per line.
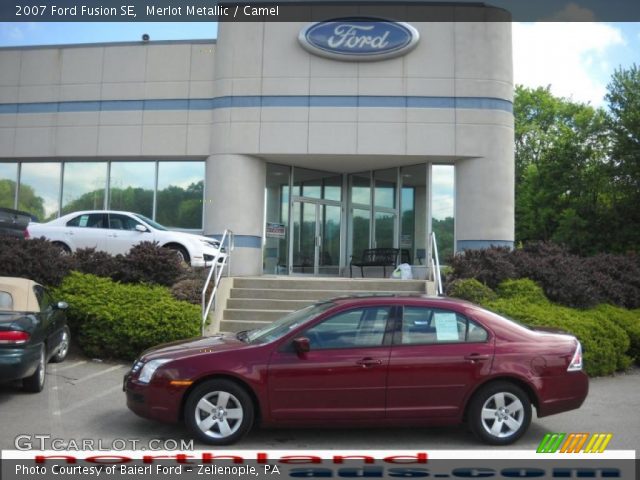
x: 141, y: 228
x: 301, y: 345
x: 62, y: 305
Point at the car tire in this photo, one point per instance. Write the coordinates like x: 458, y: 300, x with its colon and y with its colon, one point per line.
x: 64, y: 247
x: 219, y: 412
x: 35, y: 383
x: 183, y: 255
x: 63, y: 348
x: 500, y: 413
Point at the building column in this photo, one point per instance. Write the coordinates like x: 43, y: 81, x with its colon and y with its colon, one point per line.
x: 234, y: 199
x: 484, y: 201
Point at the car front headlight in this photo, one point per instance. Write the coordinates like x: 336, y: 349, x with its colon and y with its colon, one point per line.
x: 150, y: 368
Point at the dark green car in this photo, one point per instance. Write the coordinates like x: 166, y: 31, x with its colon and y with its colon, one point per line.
x: 33, y: 331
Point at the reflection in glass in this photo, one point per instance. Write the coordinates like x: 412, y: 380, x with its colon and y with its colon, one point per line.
x: 39, y: 192
x: 131, y: 187
x: 385, y: 193
x: 8, y: 181
x: 180, y: 194
x: 443, y: 209
x: 83, y: 186
x: 277, y: 208
x: 361, y: 226
x: 361, y: 188
x: 317, y: 184
x: 304, y: 237
x: 413, y: 207
x: 385, y: 229
x: 329, y: 255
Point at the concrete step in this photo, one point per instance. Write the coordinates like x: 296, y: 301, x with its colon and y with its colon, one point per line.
x: 240, y: 325
x: 300, y: 283
x: 249, y: 314
x: 315, y: 295
x: 267, y: 304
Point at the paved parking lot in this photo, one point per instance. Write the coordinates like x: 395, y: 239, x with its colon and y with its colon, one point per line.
x: 83, y: 399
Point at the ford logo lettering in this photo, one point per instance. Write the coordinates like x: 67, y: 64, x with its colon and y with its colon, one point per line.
x: 359, y: 38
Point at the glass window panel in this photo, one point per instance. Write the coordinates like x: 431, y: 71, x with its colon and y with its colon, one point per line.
x: 386, y: 183
x: 180, y: 194
x: 425, y: 325
x: 361, y: 227
x: 39, y: 192
x: 83, y: 186
x: 277, y: 208
x: 317, y: 184
x: 329, y: 239
x: 352, y: 329
x: 361, y: 188
x: 385, y: 229
x: 131, y: 187
x: 413, y: 211
x: 8, y: 181
x: 442, y: 201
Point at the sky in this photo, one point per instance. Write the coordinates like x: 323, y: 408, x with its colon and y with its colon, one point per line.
x: 575, y: 59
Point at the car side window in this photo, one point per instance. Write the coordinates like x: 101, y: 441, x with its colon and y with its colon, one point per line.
x: 361, y: 327
x: 422, y: 325
x: 88, y: 220
x: 122, y: 222
x: 44, y: 300
x: 6, y: 301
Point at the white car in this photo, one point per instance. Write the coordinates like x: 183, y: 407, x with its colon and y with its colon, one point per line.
x: 116, y: 232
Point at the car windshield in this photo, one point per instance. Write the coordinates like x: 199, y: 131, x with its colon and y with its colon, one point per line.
x: 281, y: 327
x: 148, y: 221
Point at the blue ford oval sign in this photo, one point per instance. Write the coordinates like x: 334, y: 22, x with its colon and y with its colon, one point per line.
x: 359, y: 38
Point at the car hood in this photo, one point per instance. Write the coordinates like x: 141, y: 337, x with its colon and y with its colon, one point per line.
x: 194, y: 346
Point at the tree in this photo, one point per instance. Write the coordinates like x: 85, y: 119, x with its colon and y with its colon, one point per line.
x: 624, y: 169
x: 562, y: 191
x: 28, y: 201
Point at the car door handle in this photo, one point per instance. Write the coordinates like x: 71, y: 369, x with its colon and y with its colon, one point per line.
x: 474, y: 357
x: 368, y: 362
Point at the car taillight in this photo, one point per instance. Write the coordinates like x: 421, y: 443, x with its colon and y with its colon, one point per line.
x: 26, y: 233
x: 576, y: 361
x: 14, y: 337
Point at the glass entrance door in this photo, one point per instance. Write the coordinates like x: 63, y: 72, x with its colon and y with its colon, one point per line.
x: 315, y: 248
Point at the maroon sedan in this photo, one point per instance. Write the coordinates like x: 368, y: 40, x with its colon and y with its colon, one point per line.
x: 378, y: 360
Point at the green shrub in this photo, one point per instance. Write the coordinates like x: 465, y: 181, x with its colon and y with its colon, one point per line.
x: 628, y: 320
x: 565, y: 278
x: 149, y: 262
x: 604, y: 343
x: 36, y: 259
x: 523, y: 289
x: 113, y: 320
x: 146, y: 262
x: 472, y: 290
x: 96, y: 262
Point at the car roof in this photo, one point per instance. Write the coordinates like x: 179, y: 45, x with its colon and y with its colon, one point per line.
x: 22, y: 295
x: 414, y: 298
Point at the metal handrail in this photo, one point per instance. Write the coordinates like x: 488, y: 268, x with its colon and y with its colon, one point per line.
x: 435, y: 264
x: 218, y: 268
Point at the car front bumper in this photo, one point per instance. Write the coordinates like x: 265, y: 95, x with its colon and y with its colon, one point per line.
x: 157, y: 402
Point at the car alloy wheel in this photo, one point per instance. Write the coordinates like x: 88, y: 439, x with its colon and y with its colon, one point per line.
x: 219, y: 412
x: 500, y: 413
x: 35, y: 383
x: 63, y: 348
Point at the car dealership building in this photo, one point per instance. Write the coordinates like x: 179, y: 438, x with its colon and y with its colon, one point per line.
x: 309, y: 141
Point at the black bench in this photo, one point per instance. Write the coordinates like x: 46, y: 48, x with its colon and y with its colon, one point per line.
x: 380, y: 257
